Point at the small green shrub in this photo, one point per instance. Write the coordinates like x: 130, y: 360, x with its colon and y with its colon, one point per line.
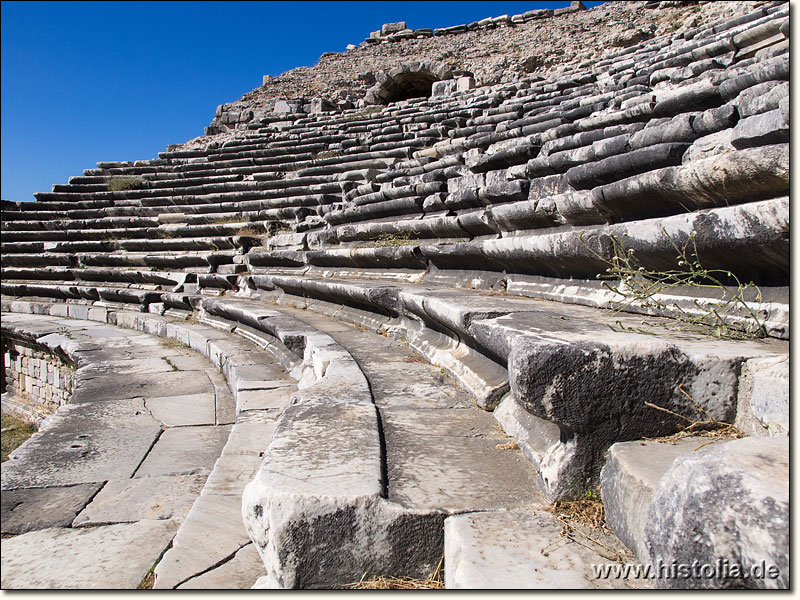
x: 730, y: 316
x: 121, y: 184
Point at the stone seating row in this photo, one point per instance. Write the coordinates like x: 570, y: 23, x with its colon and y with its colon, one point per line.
x: 466, y: 319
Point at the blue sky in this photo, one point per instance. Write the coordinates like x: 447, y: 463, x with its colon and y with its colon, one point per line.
x: 92, y: 81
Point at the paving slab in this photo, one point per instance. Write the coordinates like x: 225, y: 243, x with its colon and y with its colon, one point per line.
x: 239, y: 573
x: 108, y: 557
x: 143, y: 498
x: 450, y: 459
x: 143, y: 384
x: 40, y: 508
x: 185, y: 451
x: 519, y: 550
x: 85, y: 443
x: 186, y: 409
x: 263, y: 399
x: 213, y: 532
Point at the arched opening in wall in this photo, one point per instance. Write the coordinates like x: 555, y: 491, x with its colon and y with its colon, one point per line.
x: 409, y: 85
x: 410, y: 80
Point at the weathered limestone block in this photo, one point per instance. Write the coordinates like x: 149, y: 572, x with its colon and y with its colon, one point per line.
x: 516, y: 155
x: 523, y: 215
x: 388, y: 28
x: 697, y: 96
x: 762, y: 129
x: 709, y: 146
x: 774, y: 71
x: 601, y: 399
x: 629, y: 481
x: 678, y: 129
x: 764, y: 397
x: 725, y: 501
x: 614, y: 168
x: 742, y: 176
x: 715, y: 119
x: 499, y: 189
x: 443, y: 88
x: 760, y: 98
x: 579, y: 208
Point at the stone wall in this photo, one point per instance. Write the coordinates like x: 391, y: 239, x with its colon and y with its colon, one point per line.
x: 493, y: 50
x: 37, y: 382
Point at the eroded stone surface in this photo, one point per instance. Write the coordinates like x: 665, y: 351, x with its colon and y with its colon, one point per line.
x: 519, y: 550
x: 725, y: 501
x: 142, y: 498
x: 107, y: 557
x: 30, y: 509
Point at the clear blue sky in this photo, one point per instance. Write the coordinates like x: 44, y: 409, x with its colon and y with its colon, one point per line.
x: 91, y: 81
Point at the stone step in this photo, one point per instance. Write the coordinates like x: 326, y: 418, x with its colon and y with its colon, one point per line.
x: 526, y: 550
x: 670, y: 485
x: 458, y: 444
x: 478, y: 355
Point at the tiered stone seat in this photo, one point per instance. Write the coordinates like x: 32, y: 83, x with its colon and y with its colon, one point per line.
x: 470, y: 224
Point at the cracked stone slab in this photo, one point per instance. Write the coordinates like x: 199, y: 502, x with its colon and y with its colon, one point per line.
x: 186, y: 409
x: 85, y: 443
x: 239, y: 573
x: 107, y: 557
x: 40, y: 508
x: 185, y: 451
x: 213, y: 532
x: 519, y: 550
x: 143, y: 498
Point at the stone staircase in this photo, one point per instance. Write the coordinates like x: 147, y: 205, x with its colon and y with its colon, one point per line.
x: 469, y: 229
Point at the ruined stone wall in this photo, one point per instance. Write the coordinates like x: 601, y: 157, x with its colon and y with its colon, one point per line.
x: 494, y: 50
x: 36, y: 381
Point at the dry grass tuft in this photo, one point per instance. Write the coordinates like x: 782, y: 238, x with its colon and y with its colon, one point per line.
x: 414, y: 358
x: 247, y: 232
x: 583, y: 522
x: 709, y: 428
x: 147, y: 581
x: 173, y: 344
x: 121, y: 184
x: 389, y: 240
x: 434, y: 581
x: 508, y: 446
x: 14, y: 433
x: 588, y: 511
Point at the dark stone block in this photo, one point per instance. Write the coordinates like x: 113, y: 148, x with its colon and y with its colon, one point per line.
x: 614, y: 168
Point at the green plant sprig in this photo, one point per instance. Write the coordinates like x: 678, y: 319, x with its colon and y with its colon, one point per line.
x: 730, y: 317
